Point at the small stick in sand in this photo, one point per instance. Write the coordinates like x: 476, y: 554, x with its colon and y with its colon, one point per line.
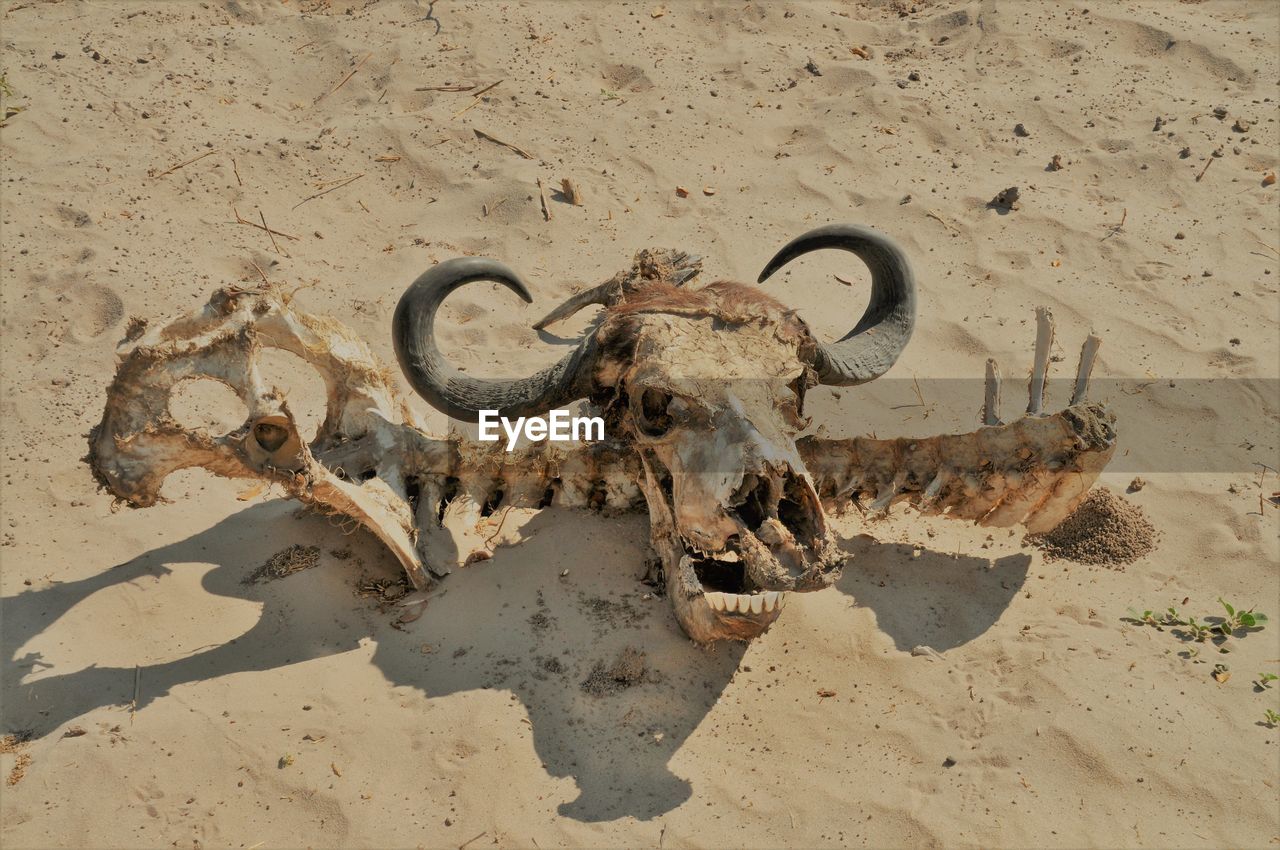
x: 137, y: 685
x: 338, y: 184
x: 183, y: 164
x: 464, y: 844
x: 344, y: 79
x: 242, y: 220
x: 265, y: 282
x: 542, y: 195
x: 475, y: 99
x: 445, y: 88
x: 274, y: 243
x: 944, y: 222
x: 239, y: 182
x: 1203, y: 170
x: 480, y: 134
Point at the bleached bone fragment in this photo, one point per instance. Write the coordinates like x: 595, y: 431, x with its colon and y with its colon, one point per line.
x: 991, y: 400
x: 1040, y: 369
x: 1088, y: 352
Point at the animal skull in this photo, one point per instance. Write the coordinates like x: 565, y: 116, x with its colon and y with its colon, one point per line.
x: 703, y: 395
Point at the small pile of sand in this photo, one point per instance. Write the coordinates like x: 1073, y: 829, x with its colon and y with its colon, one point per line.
x: 630, y: 668
x: 1105, y: 531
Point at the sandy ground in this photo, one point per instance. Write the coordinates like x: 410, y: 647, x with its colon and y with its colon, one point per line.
x: 291, y: 713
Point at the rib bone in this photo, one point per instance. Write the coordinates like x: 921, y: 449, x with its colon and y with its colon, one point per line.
x: 1044, y: 340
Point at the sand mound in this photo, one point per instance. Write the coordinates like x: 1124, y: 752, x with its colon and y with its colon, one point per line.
x: 1105, y: 530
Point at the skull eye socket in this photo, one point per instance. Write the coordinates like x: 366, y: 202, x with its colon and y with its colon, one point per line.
x: 652, y: 412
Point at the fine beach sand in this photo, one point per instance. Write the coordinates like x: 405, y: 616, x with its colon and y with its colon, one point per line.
x: 168, y: 703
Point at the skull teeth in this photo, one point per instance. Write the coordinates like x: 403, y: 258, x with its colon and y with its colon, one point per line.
x: 746, y: 603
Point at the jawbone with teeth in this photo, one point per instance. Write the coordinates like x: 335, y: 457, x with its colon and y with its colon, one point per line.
x: 734, y: 586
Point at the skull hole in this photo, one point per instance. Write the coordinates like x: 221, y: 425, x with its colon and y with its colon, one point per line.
x: 655, y: 420
x: 796, y: 512
x: 447, y: 494
x: 206, y: 404
x: 751, y: 501
x: 548, y: 496
x: 413, y: 493
x: 492, y: 503
x: 270, y: 436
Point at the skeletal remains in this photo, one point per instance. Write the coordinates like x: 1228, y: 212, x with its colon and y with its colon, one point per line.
x: 702, y: 390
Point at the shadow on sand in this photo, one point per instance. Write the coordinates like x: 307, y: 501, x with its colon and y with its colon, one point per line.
x: 512, y: 623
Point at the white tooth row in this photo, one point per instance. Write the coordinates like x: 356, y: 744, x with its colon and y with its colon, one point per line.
x: 743, y: 603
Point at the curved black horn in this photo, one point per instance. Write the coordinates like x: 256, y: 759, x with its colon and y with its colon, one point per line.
x: 866, y: 352
x: 445, y: 387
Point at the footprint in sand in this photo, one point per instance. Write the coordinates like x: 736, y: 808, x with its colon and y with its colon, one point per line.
x: 90, y: 310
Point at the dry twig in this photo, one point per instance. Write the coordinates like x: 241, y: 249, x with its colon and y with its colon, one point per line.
x: 337, y: 184
x: 183, y: 164
x: 542, y: 195
x: 344, y: 79
x: 241, y: 220
x: 480, y: 134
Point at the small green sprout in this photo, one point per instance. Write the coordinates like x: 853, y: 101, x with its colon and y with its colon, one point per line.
x: 1271, y: 719
x: 1265, y: 680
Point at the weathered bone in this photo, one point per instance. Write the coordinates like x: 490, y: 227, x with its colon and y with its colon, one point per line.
x: 1033, y: 471
x: 1040, y: 370
x: 991, y: 401
x: 674, y: 267
x: 1088, y: 352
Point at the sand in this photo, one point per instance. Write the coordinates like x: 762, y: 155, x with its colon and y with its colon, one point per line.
x: 1104, y: 530
x: 953, y: 689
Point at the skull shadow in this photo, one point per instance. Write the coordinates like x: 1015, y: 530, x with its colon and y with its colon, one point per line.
x: 513, y: 623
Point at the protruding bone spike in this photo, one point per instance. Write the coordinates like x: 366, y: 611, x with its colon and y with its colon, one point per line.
x: 1087, y: 354
x: 1040, y: 371
x: 595, y: 295
x: 991, y: 403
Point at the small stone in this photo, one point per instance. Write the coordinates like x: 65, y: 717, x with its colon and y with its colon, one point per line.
x: 948, y: 762
x: 1179, y: 235
x: 902, y: 84
x: 812, y: 68
x: 1184, y: 153
x: 1055, y: 164
x: 1137, y: 484
x: 906, y: 199
x: 1158, y: 125
x: 1235, y: 340
x: 1020, y: 131
x: 914, y: 76
x: 58, y: 54
x: 1241, y: 126
x: 1219, y: 112
x: 1007, y: 199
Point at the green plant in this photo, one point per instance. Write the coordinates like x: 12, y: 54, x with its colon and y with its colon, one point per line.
x: 1239, y: 619
x: 1271, y: 719
x: 1265, y: 680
